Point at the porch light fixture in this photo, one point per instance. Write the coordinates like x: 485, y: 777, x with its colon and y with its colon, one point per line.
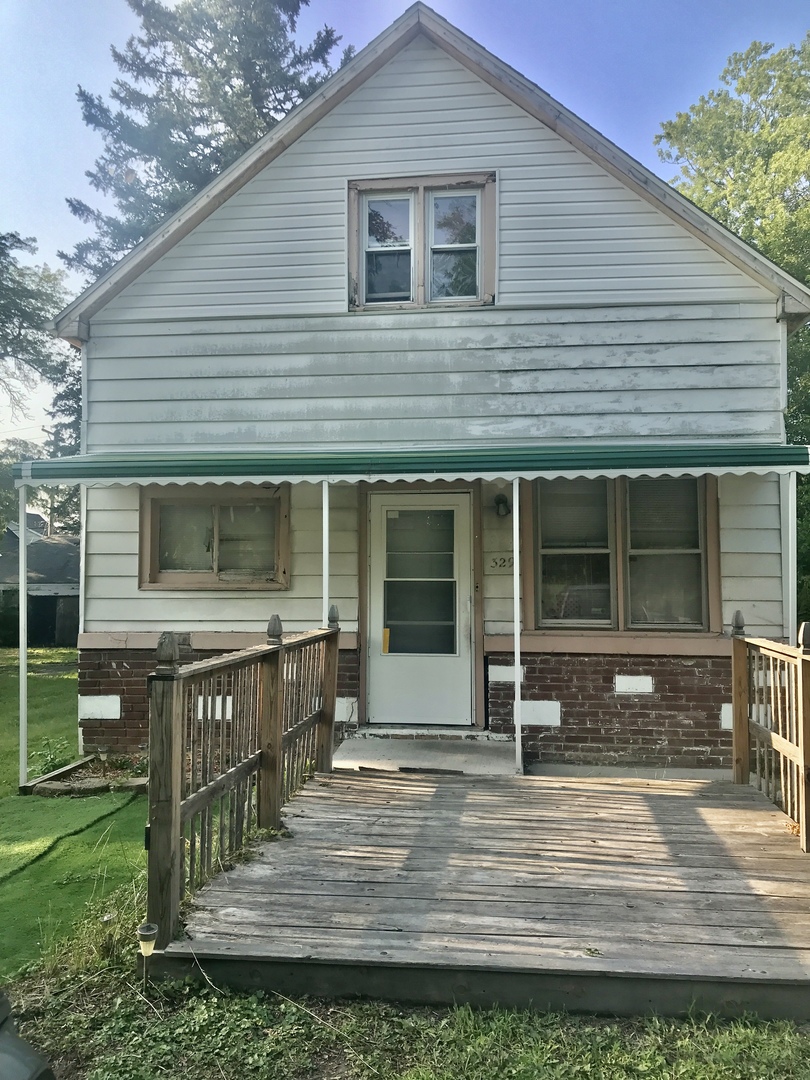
x: 502, y: 507
x: 147, y: 933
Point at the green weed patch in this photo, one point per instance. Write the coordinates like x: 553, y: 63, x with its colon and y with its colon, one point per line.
x: 103, y: 1029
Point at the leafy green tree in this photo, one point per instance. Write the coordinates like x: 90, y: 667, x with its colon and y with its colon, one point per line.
x: 200, y: 83
x: 29, y: 297
x: 12, y: 451
x: 743, y: 153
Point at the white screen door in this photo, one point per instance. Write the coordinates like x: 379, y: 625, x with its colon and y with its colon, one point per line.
x: 420, y: 617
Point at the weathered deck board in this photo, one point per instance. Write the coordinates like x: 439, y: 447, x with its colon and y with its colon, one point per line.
x: 619, y: 896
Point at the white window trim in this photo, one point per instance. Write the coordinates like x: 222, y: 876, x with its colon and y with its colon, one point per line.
x: 419, y: 188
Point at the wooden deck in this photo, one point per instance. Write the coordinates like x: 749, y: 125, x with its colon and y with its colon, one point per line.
x: 620, y: 896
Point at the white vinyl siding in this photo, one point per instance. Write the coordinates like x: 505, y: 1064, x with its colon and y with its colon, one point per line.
x: 498, y: 552
x: 569, y: 233
x: 750, y: 562
x: 114, y: 602
x: 751, y: 553
x: 463, y: 377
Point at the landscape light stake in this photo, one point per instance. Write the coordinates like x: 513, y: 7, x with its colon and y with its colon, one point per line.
x: 147, y: 932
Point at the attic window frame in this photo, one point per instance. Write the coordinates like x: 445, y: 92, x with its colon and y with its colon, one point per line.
x: 419, y: 189
x: 215, y: 495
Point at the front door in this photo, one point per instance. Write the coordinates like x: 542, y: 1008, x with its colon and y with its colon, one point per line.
x: 420, y: 617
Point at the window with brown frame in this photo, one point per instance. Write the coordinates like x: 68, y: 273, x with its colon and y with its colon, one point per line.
x: 625, y: 554
x: 422, y: 241
x: 216, y: 537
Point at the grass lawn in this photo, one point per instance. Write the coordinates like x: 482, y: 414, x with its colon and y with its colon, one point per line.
x: 56, y: 857
x: 29, y: 827
x: 52, y: 712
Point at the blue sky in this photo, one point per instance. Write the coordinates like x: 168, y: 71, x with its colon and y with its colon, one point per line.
x: 624, y: 66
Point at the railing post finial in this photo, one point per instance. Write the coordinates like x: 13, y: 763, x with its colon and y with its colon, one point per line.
x: 334, y: 618
x: 738, y: 624
x: 168, y: 653
x: 274, y: 630
x: 804, y: 637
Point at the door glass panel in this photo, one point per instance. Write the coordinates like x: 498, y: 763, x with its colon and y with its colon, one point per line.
x: 419, y: 531
x: 420, y: 564
x: 419, y: 596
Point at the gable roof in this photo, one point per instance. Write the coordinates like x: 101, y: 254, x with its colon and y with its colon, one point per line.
x: 73, y: 322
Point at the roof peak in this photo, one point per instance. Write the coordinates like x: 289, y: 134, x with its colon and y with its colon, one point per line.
x: 73, y: 322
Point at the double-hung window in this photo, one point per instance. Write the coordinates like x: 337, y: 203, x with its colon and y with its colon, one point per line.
x: 215, y: 538
x: 422, y: 241
x: 626, y: 554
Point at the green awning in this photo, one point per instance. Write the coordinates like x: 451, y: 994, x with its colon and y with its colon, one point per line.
x: 428, y: 463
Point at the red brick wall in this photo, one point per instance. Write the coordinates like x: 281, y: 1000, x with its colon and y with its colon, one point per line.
x: 678, y: 724
x: 123, y: 672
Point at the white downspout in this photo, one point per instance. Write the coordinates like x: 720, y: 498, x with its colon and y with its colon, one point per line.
x: 516, y: 621
x: 23, y: 643
x: 325, y: 572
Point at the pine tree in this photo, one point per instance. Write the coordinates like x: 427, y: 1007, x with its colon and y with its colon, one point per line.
x: 200, y: 83
x: 29, y: 297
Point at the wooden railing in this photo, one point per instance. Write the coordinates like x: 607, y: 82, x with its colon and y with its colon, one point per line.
x: 231, y: 739
x: 771, y: 724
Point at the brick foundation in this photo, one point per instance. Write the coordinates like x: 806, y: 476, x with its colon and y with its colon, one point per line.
x: 677, y: 724
x: 123, y: 672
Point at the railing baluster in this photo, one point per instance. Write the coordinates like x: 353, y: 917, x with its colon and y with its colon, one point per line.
x: 774, y: 702
x: 260, y: 717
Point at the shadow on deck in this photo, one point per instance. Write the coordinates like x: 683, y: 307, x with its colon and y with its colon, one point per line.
x: 620, y: 896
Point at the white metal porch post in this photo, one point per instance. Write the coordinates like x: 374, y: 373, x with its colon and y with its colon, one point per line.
x: 325, y: 572
x: 516, y: 620
x: 23, y: 643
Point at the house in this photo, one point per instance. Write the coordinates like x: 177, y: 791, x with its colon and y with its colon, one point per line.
x: 53, y: 585
x: 439, y: 353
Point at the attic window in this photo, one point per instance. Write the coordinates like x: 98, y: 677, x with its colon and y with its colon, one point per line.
x: 422, y: 241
